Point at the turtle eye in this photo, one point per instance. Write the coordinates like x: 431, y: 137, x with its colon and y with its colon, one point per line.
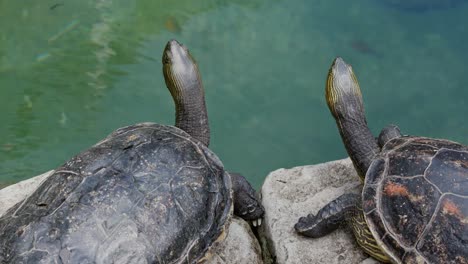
x: 165, y: 58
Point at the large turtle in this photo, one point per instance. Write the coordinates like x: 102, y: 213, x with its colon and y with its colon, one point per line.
x: 147, y: 193
x: 414, y: 202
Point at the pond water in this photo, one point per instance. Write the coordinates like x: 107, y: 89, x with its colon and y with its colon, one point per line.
x: 71, y: 72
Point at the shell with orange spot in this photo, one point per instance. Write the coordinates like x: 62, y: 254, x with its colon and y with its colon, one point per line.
x: 415, y: 200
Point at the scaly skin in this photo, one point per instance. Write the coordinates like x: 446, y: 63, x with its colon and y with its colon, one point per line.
x: 344, y: 100
x: 184, y: 82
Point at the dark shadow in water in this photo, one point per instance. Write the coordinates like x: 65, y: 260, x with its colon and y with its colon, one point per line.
x: 365, y: 47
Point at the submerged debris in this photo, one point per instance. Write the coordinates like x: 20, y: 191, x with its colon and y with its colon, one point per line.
x: 65, y: 30
x: 172, y: 25
x: 7, y: 147
x: 55, y: 6
x: 364, y: 48
x: 63, y: 119
x: 43, y: 56
x: 27, y: 101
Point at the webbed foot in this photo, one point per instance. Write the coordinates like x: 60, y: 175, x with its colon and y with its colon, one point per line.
x: 329, y: 218
x: 306, y: 226
x: 246, y: 204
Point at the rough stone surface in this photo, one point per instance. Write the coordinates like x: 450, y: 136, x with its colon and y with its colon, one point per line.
x: 288, y: 194
x: 240, y: 245
x: 12, y: 194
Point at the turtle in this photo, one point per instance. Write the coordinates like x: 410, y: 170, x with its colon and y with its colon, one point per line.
x: 147, y: 193
x: 413, y: 205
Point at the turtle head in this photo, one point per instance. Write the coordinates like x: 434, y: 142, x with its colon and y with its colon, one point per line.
x: 344, y: 100
x: 177, y: 57
x: 342, y: 91
x: 184, y: 82
x: 179, y: 69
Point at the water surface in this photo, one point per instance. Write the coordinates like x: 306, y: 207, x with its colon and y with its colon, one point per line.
x: 71, y: 72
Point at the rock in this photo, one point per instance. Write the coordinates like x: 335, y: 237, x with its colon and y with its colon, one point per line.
x: 240, y: 245
x: 288, y: 194
x: 15, y: 193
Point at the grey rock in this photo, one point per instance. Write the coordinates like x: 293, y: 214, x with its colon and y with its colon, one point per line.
x: 240, y: 245
x: 15, y: 193
x: 288, y: 194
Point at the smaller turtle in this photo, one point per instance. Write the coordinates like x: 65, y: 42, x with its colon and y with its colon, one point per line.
x: 147, y: 193
x: 414, y: 203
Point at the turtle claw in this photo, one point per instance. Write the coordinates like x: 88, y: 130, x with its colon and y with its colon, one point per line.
x: 257, y: 222
x: 304, y: 223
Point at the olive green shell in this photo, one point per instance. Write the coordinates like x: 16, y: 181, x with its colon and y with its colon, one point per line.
x: 415, y: 200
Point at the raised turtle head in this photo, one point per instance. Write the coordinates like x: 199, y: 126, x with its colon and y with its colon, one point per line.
x: 177, y: 61
x: 183, y: 81
x: 344, y: 100
x: 342, y: 91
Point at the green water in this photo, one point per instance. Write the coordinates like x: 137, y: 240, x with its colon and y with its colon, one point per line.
x: 71, y: 72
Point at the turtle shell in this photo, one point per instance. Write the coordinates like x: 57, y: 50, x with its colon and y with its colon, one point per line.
x: 148, y: 193
x: 415, y: 200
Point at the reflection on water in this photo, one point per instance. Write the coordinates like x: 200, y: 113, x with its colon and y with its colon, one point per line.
x: 71, y: 72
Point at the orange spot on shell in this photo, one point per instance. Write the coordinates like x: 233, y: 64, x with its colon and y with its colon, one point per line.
x: 451, y: 208
x: 395, y: 189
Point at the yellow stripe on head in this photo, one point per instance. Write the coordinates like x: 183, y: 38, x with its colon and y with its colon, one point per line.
x: 341, y: 87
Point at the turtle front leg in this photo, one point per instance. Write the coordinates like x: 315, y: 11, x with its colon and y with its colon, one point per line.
x: 246, y: 204
x: 329, y: 218
x: 388, y: 133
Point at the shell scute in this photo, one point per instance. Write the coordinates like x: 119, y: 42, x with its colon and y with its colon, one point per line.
x: 407, y: 206
x: 395, y: 143
x: 420, y: 207
x: 397, y: 250
x: 375, y: 223
x: 439, y: 143
x: 377, y: 169
x: 410, y: 160
x: 368, y: 194
x: 413, y: 257
x: 446, y: 238
x: 449, y: 171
